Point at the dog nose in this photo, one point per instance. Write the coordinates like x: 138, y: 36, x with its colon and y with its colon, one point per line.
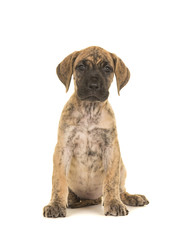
x: 93, y: 86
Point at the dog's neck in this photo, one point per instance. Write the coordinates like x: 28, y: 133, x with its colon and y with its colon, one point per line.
x: 88, y: 107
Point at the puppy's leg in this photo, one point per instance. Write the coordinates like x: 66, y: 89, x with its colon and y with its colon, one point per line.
x: 58, y: 203
x: 72, y: 198
x: 126, y: 198
x: 112, y: 202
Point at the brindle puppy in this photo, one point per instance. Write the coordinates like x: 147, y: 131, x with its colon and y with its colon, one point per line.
x: 87, y: 162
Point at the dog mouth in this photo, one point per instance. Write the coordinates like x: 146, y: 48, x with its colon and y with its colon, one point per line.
x: 93, y: 98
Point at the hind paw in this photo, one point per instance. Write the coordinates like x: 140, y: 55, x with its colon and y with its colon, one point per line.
x: 133, y: 200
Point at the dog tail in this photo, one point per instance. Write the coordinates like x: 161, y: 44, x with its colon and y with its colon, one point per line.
x: 75, y: 202
x: 84, y: 203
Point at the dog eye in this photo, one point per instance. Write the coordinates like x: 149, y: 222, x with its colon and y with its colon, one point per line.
x: 81, y: 67
x: 107, y: 68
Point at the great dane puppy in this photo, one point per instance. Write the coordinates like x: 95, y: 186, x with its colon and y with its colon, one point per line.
x: 87, y: 163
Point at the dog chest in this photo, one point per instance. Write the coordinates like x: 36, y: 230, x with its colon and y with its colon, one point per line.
x: 87, y: 166
x: 92, y: 143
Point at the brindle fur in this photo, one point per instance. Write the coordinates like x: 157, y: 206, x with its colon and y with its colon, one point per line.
x: 87, y: 162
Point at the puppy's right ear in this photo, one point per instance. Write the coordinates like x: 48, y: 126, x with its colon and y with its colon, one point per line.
x: 65, y: 69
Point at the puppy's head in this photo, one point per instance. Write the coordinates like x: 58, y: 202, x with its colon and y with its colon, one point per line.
x: 93, y: 70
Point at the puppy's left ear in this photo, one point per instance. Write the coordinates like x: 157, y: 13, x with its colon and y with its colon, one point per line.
x: 122, y: 73
x: 65, y: 69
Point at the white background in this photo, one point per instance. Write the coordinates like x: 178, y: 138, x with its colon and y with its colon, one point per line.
x: 153, y: 113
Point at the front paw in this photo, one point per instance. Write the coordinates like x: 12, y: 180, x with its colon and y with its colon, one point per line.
x: 134, y: 200
x: 54, y: 210
x: 115, y: 208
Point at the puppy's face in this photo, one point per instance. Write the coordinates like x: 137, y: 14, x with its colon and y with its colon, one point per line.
x: 93, y: 73
x: 93, y: 70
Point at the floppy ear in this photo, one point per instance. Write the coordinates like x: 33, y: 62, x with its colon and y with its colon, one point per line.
x: 122, y: 73
x: 65, y: 69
